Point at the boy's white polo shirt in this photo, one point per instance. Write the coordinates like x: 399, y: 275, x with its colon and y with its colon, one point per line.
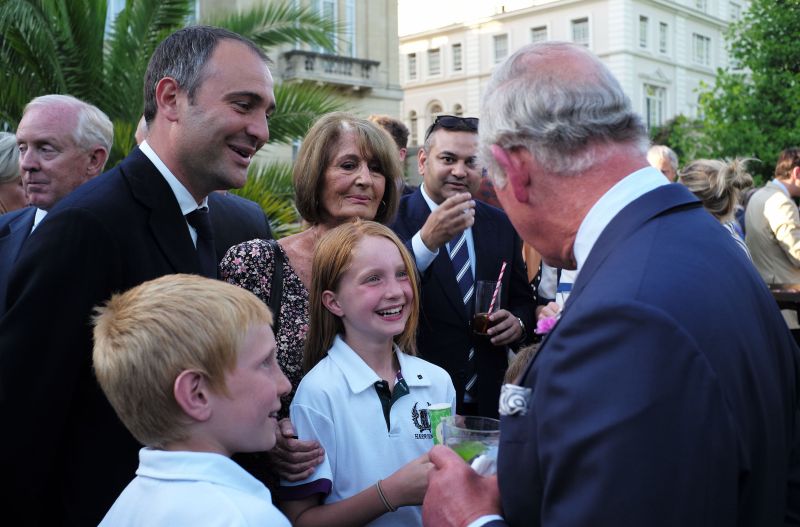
x: 336, y: 404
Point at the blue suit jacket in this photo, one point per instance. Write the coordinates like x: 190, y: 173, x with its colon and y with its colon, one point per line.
x: 668, y: 392
x: 444, y: 335
x: 69, y: 455
x: 15, y: 227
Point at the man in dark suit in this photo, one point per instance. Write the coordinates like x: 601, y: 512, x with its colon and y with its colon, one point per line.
x: 63, y: 142
x: 208, y: 95
x: 439, y: 220
x: 667, y: 393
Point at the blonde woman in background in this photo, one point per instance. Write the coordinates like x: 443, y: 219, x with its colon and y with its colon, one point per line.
x: 719, y: 184
x: 12, y: 195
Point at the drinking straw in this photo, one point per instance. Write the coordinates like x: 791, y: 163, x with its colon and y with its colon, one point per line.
x: 497, y: 287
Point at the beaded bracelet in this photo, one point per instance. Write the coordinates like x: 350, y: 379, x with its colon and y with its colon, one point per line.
x: 383, y: 497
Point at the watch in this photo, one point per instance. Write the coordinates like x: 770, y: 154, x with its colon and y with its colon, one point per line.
x: 522, y: 325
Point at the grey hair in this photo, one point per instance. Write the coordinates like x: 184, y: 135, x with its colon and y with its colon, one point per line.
x: 9, y: 158
x: 555, y: 117
x: 94, y: 128
x: 659, y: 152
x: 182, y: 56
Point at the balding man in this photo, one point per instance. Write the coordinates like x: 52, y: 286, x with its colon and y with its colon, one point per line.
x: 208, y: 96
x: 63, y: 142
x: 667, y: 393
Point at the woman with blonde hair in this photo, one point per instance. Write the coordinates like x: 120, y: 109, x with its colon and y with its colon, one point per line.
x: 12, y: 195
x: 719, y: 184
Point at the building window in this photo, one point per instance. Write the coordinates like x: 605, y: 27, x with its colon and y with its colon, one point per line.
x: 701, y: 49
x: 500, y: 48
x: 538, y: 34
x: 663, y: 37
x: 735, y: 12
x: 643, y: 25
x: 654, y: 98
x: 458, y: 110
x: 412, y: 126
x: 702, y: 5
x: 412, y: 66
x: 434, y: 61
x: 327, y: 8
x: 580, y: 31
x: 350, y: 27
x: 457, y: 57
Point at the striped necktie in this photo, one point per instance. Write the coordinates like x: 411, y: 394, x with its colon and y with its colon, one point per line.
x: 459, y: 256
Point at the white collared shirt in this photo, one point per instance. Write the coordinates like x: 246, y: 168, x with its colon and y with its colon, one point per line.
x: 38, y: 217
x: 185, y: 199
x: 425, y: 256
x: 778, y: 183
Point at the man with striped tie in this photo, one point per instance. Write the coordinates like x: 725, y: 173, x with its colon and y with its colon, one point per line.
x: 457, y: 241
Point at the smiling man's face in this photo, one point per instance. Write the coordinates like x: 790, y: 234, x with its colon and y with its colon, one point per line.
x: 450, y: 165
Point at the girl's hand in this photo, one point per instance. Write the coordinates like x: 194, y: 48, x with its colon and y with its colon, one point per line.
x: 407, y: 486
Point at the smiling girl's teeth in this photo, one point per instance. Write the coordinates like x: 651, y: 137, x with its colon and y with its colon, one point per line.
x: 390, y: 312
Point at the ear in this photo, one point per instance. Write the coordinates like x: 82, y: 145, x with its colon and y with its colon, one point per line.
x: 515, y: 165
x: 191, y: 392
x: 97, y: 160
x: 795, y: 173
x: 402, y: 153
x: 331, y: 304
x: 422, y: 156
x: 167, y: 91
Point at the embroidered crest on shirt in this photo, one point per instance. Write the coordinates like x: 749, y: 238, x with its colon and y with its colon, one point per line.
x: 422, y: 420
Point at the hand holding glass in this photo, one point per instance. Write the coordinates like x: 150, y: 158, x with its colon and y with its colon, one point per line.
x: 475, y: 439
x: 484, y: 293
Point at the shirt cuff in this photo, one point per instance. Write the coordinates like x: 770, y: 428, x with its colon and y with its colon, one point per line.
x: 422, y: 254
x: 483, y: 520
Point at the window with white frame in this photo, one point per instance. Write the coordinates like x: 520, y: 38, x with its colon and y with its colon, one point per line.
x: 701, y: 49
x: 412, y: 126
x: 350, y: 27
x: 500, y: 47
x: 327, y: 8
x: 538, y: 34
x: 457, y: 61
x: 412, y: 66
x: 654, y: 102
x: 580, y: 31
x: 663, y: 37
x: 434, y: 61
x: 458, y: 110
x: 644, y: 24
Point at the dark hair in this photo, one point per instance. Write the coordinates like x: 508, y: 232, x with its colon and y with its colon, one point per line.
x: 183, y: 56
x: 788, y: 159
x: 393, y: 127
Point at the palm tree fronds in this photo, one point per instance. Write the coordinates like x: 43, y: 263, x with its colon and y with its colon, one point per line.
x: 298, y: 105
x: 270, y: 185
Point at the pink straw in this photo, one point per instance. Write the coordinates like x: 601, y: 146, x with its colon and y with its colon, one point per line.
x: 497, y: 287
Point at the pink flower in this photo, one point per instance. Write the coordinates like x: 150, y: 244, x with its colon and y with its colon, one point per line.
x: 545, y: 325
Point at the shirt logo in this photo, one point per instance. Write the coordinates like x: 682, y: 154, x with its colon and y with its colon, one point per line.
x: 422, y: 420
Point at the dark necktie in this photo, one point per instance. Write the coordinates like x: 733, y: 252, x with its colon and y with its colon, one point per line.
x: 201, y: 221
x: 459, y: 256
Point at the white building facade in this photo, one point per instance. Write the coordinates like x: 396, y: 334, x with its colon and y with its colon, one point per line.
x: 660, y: 50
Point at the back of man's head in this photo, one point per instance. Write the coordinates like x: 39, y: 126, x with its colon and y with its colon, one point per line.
x: 93, y: 127
x: 663, y: 158
x: 183, y: 56
x: 787, y: 161
x: 557, y: 100
x: 393, y: 127
x: 144, y: 338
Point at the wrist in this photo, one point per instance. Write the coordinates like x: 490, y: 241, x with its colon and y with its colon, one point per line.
x: 382, y: 496
x: 522, y: 328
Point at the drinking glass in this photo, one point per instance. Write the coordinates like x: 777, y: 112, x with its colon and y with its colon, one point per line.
x: 484, y: 291
x: 475, y: 439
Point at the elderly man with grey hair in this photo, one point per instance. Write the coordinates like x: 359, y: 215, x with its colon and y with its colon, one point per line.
x: 667, y: 393
x: 663, y: 158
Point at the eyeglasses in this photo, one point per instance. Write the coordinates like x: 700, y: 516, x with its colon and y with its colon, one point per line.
x: 453, y: 122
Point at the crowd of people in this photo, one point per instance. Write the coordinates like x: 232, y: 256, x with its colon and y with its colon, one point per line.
x: 165, y: 361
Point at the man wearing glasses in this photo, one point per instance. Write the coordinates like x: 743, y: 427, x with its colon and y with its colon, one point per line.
x: 456, y: 242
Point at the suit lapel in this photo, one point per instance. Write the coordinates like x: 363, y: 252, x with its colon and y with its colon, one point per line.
x: 10, y: 244
x: 166, y: 222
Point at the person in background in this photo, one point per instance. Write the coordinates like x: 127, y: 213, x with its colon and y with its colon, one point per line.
x: 346, y: 168
x: 663, y: 158
x: 668, y: 393
x: 193, y: 394
x: 719, y: 186
x: 360, y: 355
x: 399, y: 133
x: 12, y: 195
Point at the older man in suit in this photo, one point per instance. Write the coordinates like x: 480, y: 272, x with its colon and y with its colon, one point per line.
x: 63, y: 142
x: 667, y: 393
x: 208, y: 96
x: 456, y: 242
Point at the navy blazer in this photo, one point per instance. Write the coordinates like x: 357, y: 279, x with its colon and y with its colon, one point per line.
x: 15, y: 226
x: 69, y: 456
x: 667, y: 394
x: 444, y: 335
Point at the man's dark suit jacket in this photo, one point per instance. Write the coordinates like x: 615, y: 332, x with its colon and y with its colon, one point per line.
x: 444, y: 336
x: 668, y: 392
x: 65, y: 455
x: 15, y: 227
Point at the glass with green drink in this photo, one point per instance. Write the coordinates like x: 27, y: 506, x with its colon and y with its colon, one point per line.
x: 475, y: 439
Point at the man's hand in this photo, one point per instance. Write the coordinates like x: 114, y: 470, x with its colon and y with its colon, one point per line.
x: 506, y: 330
x: 292, y: 459
x: 455, y: 214
x: 457, y: 495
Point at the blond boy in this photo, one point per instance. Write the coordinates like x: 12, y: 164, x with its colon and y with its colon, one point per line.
x: 189, y: 365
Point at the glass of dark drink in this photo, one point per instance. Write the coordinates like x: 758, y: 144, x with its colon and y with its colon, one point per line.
x: 484, y: 306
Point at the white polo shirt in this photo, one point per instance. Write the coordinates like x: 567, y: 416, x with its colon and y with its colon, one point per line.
x: 193, y: 488
x: 336, y: 404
